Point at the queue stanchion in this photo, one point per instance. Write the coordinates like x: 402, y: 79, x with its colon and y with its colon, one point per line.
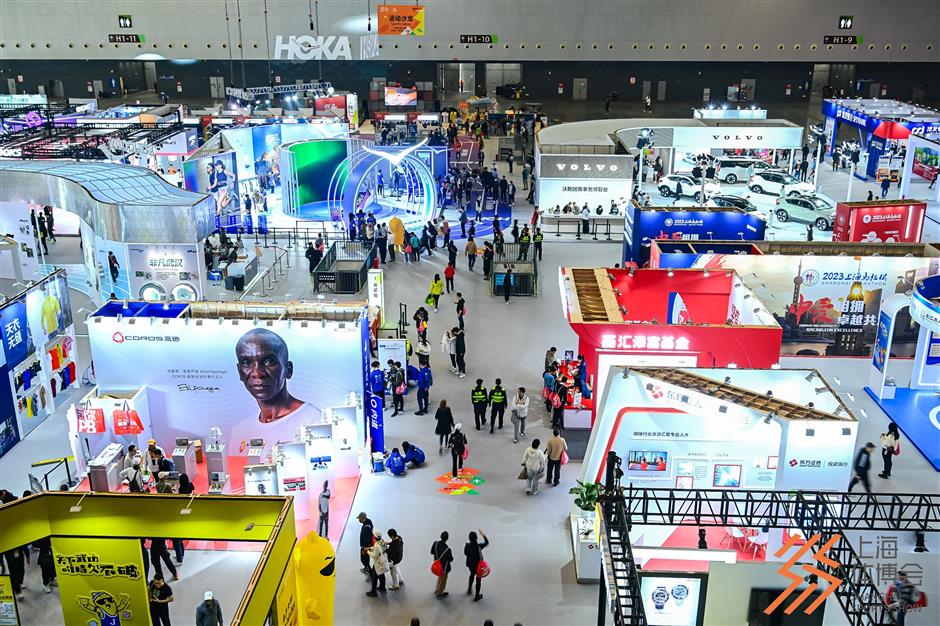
x: 274, y: 230
x: 595, y: 230
x: 608, y: 230
x: 558, y: 227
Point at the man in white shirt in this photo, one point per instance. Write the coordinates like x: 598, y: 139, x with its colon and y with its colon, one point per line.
x: 520, y: 410
x: 323, y: 527
x: 585, y: 220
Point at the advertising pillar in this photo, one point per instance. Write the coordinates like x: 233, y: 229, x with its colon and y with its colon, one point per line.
x: 101, y: 581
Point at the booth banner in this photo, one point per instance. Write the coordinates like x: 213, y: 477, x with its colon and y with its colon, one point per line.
x: 394, y: 350
x: 101, y: 581
x: 15, y: 222
x: 560, y: 191
x: 252, y: 381
x: 672, y: 600
x: 827, y: 306
x: 182, y: 143
x: 321, y: 130
x: 9, y: 431
x: 926, y: 162
x: 882, y: 341
x: 720, y: 224
x: 352, y: 111
x: 704, y: 139
x: 401, y: 19
x: 164, y: 271
x: 8, y: 613
x: 285, y: 611
x: 818, y: 453
x: 330, y: 106
x: 879, y: 222
x: 216, y: 175
x: 265, y: 142
x: 586, y: 166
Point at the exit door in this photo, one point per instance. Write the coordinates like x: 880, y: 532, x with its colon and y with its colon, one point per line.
x: 56, y: 90
x: 216, y: 87
x: 647, y: 88
x: 661, y: 91
x: 150, y: 76
x: 579, y: 89
x: 98, y: 87
x: 874, y: 90
x: 11, y: 86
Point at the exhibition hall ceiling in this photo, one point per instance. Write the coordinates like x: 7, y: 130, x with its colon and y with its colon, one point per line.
x: 676, y: 30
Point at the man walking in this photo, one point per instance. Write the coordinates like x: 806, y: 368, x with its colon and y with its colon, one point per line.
x: 885, y: 186
x: 425, y: 380
x: 479, y: 400
x: 554, y: 448
x: 520, y: 410
x: 209, y: 612
x: 365, y: 542
x: 443, y: 555
x: 860, y: 467
x: 497, y: 404
x: 460, y: 352
x: 323, y: 526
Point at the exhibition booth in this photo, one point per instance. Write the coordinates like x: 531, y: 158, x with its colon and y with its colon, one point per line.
x: 689, y: 318
x: 38, y: 362
x: 826, y: 296
x: 695, y: 430
x: 102, y: 575
x: 303, y: 364
x: 644, y: 224
x: 914, y: 407
x: 884, y: 128
x: 877, y: 221
x: 597, y: 143
x: 919, y: 178
x: 141, y: 236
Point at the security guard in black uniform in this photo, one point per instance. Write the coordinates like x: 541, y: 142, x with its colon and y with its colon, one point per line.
x: 479, y: 399
x: 497, y: 404
x: 537, y: 238
x: 524, y: 240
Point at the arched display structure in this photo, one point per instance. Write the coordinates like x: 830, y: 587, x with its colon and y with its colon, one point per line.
x: 140, y: 235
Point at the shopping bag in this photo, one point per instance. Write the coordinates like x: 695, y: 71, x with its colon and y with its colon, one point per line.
x: 564, y: 457
x: 466, y: 451
x: 429, y: 300
x: 523, y: 474
x: 127, y: 421
x: 483, y: 569
x: 897, y: 448
x: 437, y: 568
x: 90, y: 420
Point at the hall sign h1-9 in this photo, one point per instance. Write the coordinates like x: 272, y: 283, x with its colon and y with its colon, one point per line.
x: 312, y: 48
x: 842, y: 40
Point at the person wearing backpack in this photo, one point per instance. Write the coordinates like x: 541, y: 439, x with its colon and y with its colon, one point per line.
x: 458, y: 448
x: 396, y: 380
x: 134, y: 477
x: 558, y: 401
x: 890, y: 447
x: 440, y: 567
x: 394, y: 550
x: 479, y: 568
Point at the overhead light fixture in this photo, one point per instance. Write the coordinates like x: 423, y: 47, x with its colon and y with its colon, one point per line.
x: 670, y: 273
x: 770, y: 416
x: 702, y: 540
x: 821, y: 390
x: 810, y: 432
x: 919, y: 545
x: 838, y: 382
x: 809, y: 377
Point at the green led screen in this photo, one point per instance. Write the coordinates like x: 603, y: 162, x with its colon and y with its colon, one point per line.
x: 315, y: 163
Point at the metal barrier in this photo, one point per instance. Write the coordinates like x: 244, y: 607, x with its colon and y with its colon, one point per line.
x: 326, y: 275
x: 521, y: 258
x: 269, y: 277
x: 571, y: 225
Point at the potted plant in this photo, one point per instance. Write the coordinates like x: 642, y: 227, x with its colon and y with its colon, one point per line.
x: 586, y: 496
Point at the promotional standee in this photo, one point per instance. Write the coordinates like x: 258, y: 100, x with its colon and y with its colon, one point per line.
x: 671, y: 434
x: 280, y: 390
x: 879, y: 221
x: 913, y: 407
x: 38, y: 361
x: 643, y: 225
x: 826, y: 299
x: 663, y: 318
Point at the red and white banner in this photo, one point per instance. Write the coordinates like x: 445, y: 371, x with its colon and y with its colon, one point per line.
x: 879, y: 222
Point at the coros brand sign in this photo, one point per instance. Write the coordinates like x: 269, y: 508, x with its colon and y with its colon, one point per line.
x: 312, y: 48
x: 119, y: 337
x: 592, y: 166
x: 131, y: 147
x: 11, y: 153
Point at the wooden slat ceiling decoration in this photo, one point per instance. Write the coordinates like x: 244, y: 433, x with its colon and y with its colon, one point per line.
x: 743, y: 397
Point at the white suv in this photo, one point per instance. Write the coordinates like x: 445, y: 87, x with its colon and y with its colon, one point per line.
x: 772, y: 181
x: 691, y: 187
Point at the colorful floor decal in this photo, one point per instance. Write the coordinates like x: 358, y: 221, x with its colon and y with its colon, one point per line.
x: 465, y: 484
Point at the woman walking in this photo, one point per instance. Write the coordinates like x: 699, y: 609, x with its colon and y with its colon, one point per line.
x: 890, y: 447
x: 533, y: 460
x: 458, y: 445
x: 445, y: 424
x: 473, y: 550
x: 436, y: 289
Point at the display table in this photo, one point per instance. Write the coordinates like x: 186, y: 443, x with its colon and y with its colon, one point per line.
x: 587, y: 553
x: 241, y: 272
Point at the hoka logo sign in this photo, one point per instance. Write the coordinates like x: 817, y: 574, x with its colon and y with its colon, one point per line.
x: 313, y: 48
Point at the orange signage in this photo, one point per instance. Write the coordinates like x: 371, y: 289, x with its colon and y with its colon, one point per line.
x: 797, y: 580
x: 401, y: 19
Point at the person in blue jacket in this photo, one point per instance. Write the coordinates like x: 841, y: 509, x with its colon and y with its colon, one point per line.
x: 395, y: 463
x: 581, y: 383
x: 413, y: 454
x: 425, y: 380
x: 377, y: 381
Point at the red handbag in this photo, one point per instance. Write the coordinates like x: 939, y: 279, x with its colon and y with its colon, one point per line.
x: 90, y: 420
x: 483, y: 569
x: 127, y: 421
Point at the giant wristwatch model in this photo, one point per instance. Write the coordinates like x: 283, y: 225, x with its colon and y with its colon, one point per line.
x: 660, y: 597
x: 680, y: 593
